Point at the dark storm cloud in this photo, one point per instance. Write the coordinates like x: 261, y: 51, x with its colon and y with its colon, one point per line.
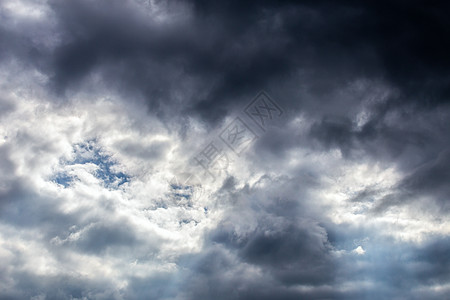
x: 429, y: 181
x: 406, y: 43
x: 219, y: 276
x: 290, y: 251
x: 432, y: 177
x: 237, y: 47
x: 209, y: 59
x: 294, y: 253
x: 222, y: 53
x: 218, y: 55
x: 375, y: 137
x: 284, y: 243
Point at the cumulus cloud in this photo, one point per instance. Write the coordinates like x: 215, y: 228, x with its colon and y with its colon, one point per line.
x: 123, y: 174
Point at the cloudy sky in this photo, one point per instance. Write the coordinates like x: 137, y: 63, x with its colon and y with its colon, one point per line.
x: 181, y: 150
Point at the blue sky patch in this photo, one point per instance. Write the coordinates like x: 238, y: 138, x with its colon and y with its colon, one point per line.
x: 91, y: 153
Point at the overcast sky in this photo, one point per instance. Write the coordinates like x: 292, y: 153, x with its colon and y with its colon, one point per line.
x: 207, y: 150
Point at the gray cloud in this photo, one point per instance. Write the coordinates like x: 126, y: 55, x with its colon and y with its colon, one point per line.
x: 343, y: 197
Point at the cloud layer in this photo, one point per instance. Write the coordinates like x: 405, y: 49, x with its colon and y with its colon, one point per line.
x: 341, y: 194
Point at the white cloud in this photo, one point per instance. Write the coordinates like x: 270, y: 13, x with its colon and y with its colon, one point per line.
x: 359, y: 250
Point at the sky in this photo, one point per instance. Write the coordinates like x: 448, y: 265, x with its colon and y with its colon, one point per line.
x: 181, y: 150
